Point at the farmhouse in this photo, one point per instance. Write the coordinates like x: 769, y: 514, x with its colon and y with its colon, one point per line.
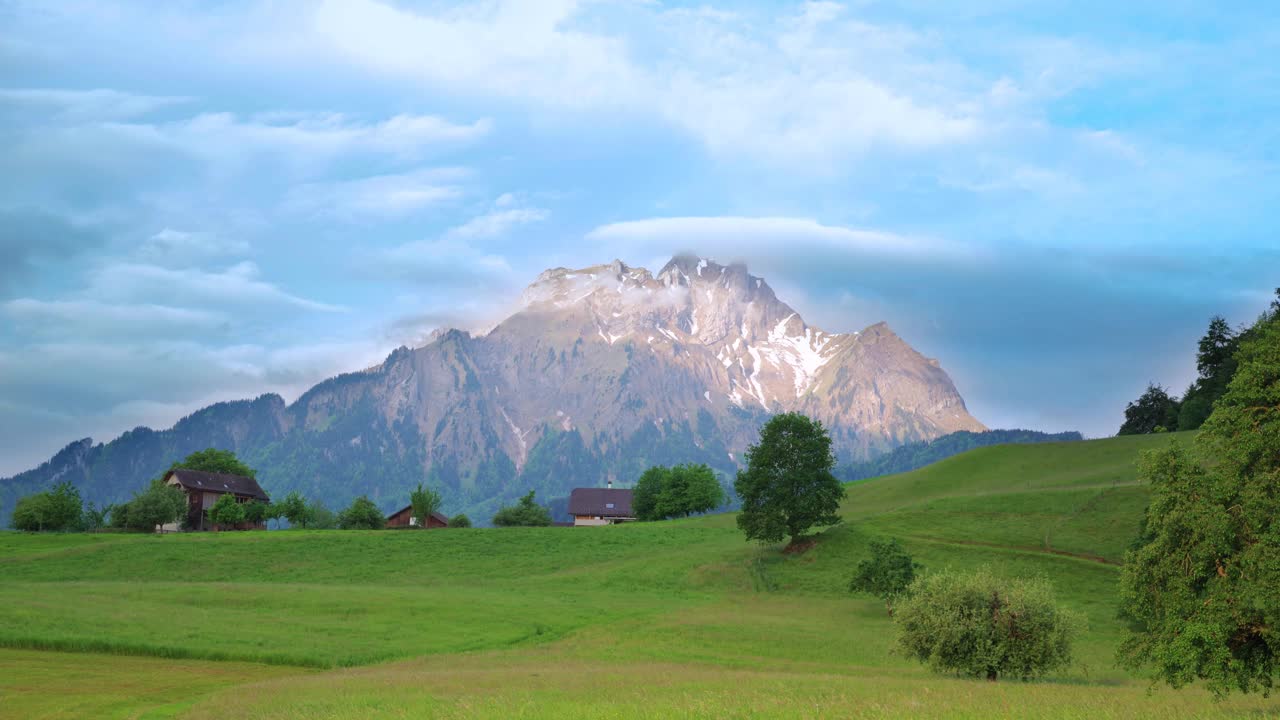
x: 600, y: 506
x: 404, y: 518
x: 203, y: 490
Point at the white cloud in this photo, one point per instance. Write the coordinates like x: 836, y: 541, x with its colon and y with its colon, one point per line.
x: 768, y: 237
x: 237, y: 286
x: 92, y: 318
x: 378, y: 196
x: 177, y: 247
x: 84, y: 105
x: 498, y: 221
x: 795, y: 89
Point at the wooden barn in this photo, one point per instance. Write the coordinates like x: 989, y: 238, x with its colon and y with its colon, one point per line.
x: 600, y: 506
x: 203, y: 490
x: 404, y: 518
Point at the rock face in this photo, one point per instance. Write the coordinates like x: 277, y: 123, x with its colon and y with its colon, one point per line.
x: 601, y: 372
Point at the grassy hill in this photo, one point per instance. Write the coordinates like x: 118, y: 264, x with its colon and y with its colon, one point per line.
x: 680, y: 619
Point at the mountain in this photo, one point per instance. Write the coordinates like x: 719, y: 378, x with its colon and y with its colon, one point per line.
x: 600, y: 373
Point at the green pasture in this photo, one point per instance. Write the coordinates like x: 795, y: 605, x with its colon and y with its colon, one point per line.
x: 672, y: 619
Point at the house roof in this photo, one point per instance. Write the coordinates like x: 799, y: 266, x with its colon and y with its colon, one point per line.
x: 605, y: 502
x: 217, y: 483
x: 409, y: 508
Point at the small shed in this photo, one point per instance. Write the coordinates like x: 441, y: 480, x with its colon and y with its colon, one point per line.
x: 600, y: 506
x: 404, y: 518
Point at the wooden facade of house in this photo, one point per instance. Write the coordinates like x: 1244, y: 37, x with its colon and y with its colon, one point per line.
x: 600, y: 506
x: 203, y: 490
x: 404, y: 518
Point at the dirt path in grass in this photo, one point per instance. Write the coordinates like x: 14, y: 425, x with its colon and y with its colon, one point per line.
x: 1020, y: 548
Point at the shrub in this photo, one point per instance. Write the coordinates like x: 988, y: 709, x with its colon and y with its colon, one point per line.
x: 226, y: 512
x: 158, y: 505
x: 459, y: 521
x: 362, y: 515
x: 56, y: 510
x: 886, y: 574
x: 978, y: 625
x: 525, y: 513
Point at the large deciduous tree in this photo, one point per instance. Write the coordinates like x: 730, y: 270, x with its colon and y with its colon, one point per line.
x: 678, y: 491
x: 787, y: 487
x: 215, y: 461
x: 1201, y: 588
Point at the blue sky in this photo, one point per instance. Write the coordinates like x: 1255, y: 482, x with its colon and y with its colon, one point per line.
x: 207, y: 201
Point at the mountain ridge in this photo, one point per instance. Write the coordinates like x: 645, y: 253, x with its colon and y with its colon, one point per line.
x: 600, y: 372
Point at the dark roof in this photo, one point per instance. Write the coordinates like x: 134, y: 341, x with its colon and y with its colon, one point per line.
x: 596, y: 501
x: 407, y: 508
x: 218, y: 483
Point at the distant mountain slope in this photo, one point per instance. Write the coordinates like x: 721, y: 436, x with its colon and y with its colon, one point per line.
x: 600, y: 373
x: 918, y: 454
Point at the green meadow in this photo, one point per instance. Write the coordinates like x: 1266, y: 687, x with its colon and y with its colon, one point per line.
x: 673, y: 619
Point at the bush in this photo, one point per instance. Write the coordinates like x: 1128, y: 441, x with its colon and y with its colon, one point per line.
x: 226, y: 512
x: 525, y: 513
x: 320, y: 517
x: 978, y: 625
x: 362, y: 515
x: 886, y: 574
x: 459, y: 521
x: 159, y: 504
x: 55, y: 510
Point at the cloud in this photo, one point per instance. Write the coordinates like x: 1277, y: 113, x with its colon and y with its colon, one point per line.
x: 176, y: 247
x: 92, y: 318
x: 499, y: 221
x: 379, y: 196
x: 30, y: 238
x: 442, y: 262
x: 237, y: 286
x: 794, y: 89
x: 70, y: 106
x: 771, y: 240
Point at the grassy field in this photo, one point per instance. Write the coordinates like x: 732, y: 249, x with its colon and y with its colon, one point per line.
x: 678, y: 619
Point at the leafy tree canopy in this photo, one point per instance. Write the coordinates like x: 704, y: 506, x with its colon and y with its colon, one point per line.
x: 1200, y: 587
x: 459, y: 521
x: 886, y: 574
x: 57, y: 510
x: 679, y: 491
x: 158, y: 505
x: 226, y: 512
x: 215, y: 461
x: 979, y: 625
x: 362, y: 514
x: 787, y: 486
x: 525, y: 513
x: 294, y: 509
x: 1151, y: 412
x: 424, y: 501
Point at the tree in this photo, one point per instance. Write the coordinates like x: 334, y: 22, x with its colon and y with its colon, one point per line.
x: 273, y: 511
x: 95, y: 517
x: 886, y: 574
x: 255, y: 512
x: 978, y: 625
x: 425, y: 502
x: 227, y: 512
x: 459, y: 521
x: 1152, y: 411
x: 294, y: 509
x: 31, y: 513
x: 787, y: 487
x: 646, y: 495
x: 679, y: 491
x: 320, y: 517
x: 215, y: 461
x: 362, y: 514
x: 1199, y: 589
x: 158, y: 505
x: 525, y: 513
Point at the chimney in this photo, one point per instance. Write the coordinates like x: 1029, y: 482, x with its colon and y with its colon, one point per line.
x: 610, y: 483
